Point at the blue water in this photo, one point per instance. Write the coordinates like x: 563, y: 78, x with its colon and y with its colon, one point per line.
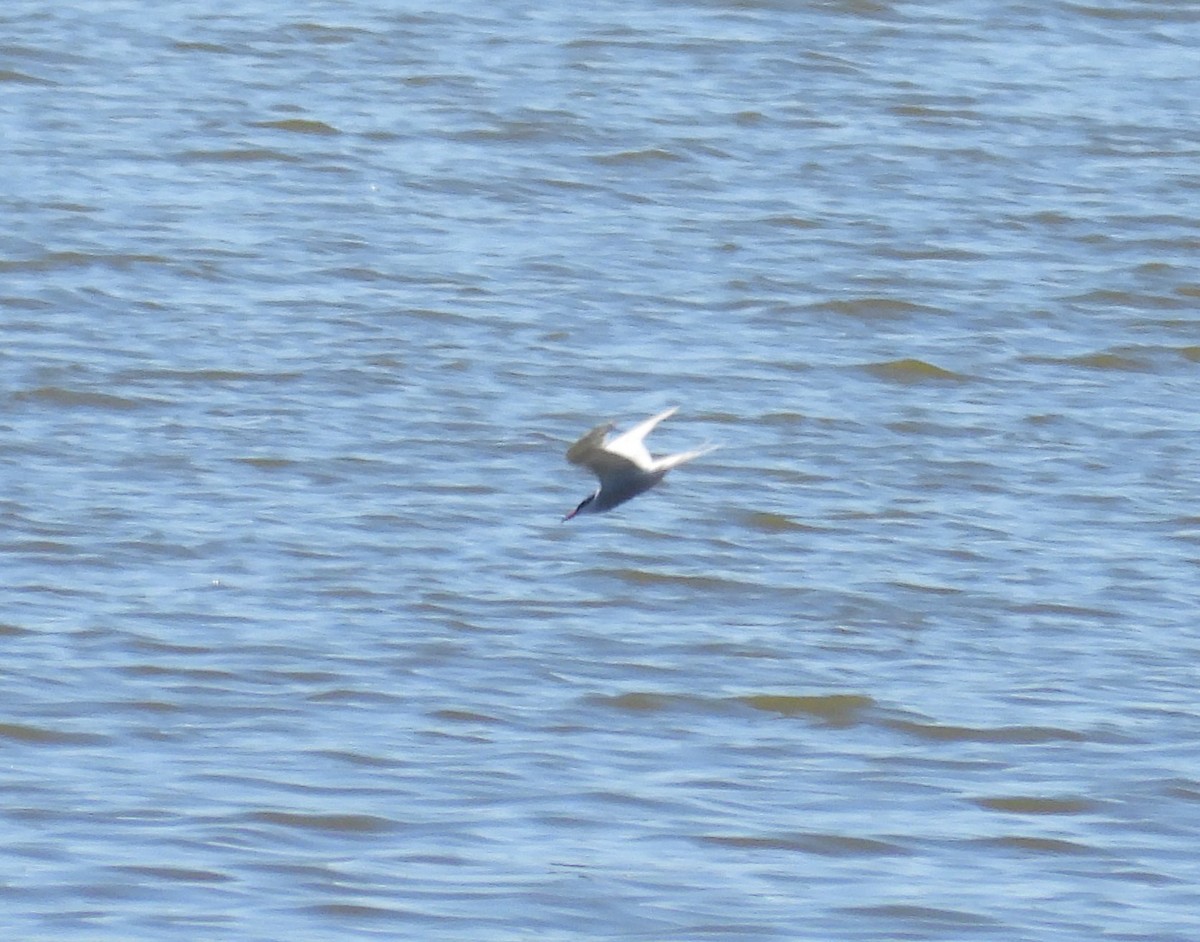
x: 299, y: 312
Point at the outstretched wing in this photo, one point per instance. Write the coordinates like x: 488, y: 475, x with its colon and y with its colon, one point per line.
x: 632, y: 445
x: 589, y: 444
x: 590, y: 452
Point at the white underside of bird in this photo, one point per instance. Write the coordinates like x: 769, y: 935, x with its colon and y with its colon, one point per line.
x: 623, y: 465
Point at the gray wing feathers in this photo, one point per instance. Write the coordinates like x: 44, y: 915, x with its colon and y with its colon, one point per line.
x: 583, y: 450
x: 590, y: 452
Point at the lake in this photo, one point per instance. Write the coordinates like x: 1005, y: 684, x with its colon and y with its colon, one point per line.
x: 300, y: 308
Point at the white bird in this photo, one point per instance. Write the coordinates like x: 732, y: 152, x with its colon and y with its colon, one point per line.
x: 623, y: 465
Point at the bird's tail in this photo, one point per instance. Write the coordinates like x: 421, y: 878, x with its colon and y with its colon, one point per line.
x: 667, y: 462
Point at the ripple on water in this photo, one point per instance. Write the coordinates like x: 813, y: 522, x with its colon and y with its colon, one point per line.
x: 822, y: 845
x: 350, y: 824
x: 47, y: 736
x: 1036, y: 805
x: 1019, y: 735
x: 909, y: 371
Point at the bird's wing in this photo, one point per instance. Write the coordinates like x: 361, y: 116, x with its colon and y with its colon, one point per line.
x: 590, y: 452
x: 593, y: 441
x: 667, y: 462
x: 631, y: 444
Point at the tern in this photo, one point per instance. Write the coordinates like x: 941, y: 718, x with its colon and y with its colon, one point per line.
x: 623, y: 465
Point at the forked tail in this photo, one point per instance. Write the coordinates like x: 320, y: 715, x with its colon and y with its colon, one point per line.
x: 667, y: 462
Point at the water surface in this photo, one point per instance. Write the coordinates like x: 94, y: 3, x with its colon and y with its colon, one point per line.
x: 299, y: 310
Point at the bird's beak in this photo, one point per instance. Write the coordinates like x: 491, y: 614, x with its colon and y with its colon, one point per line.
x: 570, y: 515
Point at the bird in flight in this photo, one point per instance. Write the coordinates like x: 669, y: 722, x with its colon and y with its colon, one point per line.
x: 623, y: 465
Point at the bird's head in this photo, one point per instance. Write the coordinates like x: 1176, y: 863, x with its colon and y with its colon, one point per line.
x: 586, y: 506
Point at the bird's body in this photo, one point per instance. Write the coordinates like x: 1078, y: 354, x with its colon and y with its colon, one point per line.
x: 623, y: 465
